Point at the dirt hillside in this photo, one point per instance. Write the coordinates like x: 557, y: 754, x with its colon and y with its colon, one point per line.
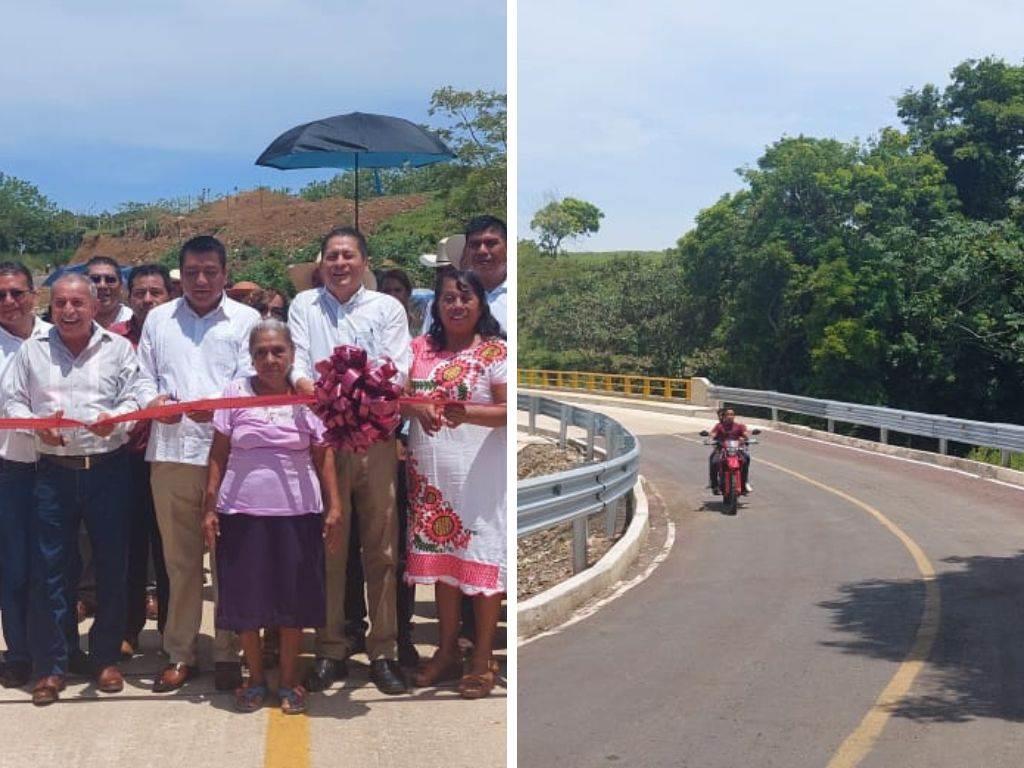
x: 265, y: 220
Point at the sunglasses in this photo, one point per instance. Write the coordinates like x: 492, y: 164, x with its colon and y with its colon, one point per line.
x: 108, y: 279
x: 14, y: 293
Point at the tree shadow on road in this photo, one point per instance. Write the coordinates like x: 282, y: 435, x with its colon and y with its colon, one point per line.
x: 976, y: 666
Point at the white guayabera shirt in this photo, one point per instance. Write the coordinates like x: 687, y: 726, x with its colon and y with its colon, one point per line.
x: 371, y: 320
x: 189, y: 357
x: 45, y: 377
x: 17, y: 445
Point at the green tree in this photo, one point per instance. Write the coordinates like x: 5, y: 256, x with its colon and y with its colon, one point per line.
x: 975, y: 126
x: 565, y: 219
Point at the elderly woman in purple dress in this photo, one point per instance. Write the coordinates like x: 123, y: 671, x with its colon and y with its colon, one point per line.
x: 269, y: 483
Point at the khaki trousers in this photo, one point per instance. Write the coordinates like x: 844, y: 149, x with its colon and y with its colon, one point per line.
x: 367, y: 483
x: 178, y: 491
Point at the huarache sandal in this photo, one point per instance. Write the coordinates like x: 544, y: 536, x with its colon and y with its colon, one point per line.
x: 476, y: 686
x: 293, y: 700
x: 439, y: 669
x: 249, y: 698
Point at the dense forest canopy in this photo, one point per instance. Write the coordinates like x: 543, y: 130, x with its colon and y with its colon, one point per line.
x: 889, y: 271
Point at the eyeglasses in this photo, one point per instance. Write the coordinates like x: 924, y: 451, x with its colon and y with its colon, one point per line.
x: 278, y: 313
x: 15, y: 293
x: 108, y: 279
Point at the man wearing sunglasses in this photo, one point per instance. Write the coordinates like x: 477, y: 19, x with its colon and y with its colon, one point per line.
x: 105, y: 274
x: 17, y: 479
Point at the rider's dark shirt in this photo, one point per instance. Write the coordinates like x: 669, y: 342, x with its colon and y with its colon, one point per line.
x: 733, y: 432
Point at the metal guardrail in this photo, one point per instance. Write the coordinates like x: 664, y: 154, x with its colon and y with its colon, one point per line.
x: 1005, y: 437
x: 648, y: 387
x: 576, y: 494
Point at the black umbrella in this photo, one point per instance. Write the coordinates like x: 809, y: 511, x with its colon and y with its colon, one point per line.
x: 357, y: 140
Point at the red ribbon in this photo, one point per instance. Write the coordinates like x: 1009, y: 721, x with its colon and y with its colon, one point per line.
x: 212, y: 404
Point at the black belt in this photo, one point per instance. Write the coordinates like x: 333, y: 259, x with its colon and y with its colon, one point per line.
x: 82, y: 462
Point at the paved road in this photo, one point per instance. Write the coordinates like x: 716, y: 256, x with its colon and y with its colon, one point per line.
x: 197, y: 727
x: 765, y: 639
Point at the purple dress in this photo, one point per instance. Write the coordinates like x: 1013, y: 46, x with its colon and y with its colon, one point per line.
x: 270, y: 553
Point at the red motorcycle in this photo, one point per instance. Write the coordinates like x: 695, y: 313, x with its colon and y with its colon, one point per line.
x: 730, y: 468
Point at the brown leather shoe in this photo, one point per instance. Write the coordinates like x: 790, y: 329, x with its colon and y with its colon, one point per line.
x: 173, y: 677
x: 47, y: 690
x: 110, y: 680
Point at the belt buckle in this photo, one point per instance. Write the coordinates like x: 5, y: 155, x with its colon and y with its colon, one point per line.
x: 86, y: 462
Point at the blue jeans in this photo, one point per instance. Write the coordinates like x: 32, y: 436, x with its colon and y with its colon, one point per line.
x: 63, y: 499
x: 16, y: 482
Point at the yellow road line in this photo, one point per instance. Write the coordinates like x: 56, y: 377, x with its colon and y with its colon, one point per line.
x: 859, y: 743
x: 287, y: 740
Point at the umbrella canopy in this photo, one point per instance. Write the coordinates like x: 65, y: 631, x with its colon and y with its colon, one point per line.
x: 356, y: 140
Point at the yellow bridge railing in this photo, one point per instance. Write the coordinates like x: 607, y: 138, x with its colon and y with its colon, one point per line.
x: 646, y: 387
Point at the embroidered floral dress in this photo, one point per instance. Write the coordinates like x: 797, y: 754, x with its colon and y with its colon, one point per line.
x: 456, y: 478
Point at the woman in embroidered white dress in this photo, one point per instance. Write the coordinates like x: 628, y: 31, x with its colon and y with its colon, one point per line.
x: 456, y: 476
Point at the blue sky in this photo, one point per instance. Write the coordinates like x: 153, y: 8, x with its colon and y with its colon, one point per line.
x: 647, y: 108
x: 106, y: 102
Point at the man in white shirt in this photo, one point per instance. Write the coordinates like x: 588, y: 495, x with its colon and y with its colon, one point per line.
x: 84, y: 372
x: 342, y: 311
x: 105, y: 274
x: 18, y: 322
x: 484, y: 253
x: 191, y: 348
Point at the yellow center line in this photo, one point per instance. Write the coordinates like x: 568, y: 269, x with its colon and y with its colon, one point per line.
x: 287, y: 740
x: 859, y: 743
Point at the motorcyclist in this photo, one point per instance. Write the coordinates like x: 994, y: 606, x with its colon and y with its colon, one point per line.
x: 728, y: 428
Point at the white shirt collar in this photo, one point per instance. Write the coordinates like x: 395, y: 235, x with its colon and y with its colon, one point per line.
x: 221, y: 307
x: 99, y: 334
x: 352, y: 300
x: 39, y: 328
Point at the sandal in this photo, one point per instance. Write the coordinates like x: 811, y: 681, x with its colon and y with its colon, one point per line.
x: 250, y: 697
x: 439, y: 669
x: 476, y: 686
x: 293, y: 700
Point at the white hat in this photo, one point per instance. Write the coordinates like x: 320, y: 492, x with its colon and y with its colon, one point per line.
x: 301, y: 275
x: 449, y: 253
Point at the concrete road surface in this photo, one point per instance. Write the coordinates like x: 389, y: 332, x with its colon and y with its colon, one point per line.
x: 197, y: 727
x: 767, y: 638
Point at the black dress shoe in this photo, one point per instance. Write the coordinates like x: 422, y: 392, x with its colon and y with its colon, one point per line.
x: 227, y: 675
x: 79, y: 664
x: 386, y: 674
x: 323, y: 672
x: 15, y: 675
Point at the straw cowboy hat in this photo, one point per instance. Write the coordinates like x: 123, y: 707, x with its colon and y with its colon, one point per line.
x: 301, y: 275
x: 449, y: 253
